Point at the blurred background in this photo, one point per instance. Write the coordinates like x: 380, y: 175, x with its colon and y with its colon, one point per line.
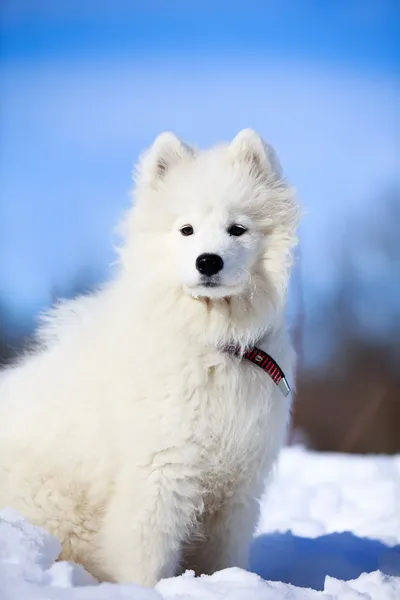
x: 85, y: 86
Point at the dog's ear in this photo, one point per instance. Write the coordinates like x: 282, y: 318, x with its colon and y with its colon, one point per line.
x: 261, y: 158
x: 166, y: 152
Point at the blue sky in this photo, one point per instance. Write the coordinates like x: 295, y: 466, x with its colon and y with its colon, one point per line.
x: 86, y: 86
x: 358, y: 32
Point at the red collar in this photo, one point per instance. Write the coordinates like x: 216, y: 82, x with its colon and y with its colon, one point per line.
x: 266, y: 363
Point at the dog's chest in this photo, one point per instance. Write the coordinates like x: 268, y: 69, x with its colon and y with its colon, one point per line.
x: 237, y: 411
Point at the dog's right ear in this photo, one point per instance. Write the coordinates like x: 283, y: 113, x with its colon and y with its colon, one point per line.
x: 166, y: 152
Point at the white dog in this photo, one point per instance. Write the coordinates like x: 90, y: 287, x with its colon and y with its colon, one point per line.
x: 142, y: 432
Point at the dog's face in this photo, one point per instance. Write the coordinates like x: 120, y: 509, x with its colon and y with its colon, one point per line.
x: 216, y: 223
x: 217, y: 248
x: 217, y: 263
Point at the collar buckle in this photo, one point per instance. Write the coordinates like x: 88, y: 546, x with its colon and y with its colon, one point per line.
x: 284, y: 387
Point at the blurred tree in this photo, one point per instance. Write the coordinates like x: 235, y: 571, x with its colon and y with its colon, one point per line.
x: 352, y: 403
x: 7, y: 350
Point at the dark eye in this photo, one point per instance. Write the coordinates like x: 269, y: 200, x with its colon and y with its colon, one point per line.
x: 187, y: 230
x: 237, y: 230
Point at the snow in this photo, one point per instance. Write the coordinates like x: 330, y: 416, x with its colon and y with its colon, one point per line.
x: 342, y: 513
x: 329, y: 528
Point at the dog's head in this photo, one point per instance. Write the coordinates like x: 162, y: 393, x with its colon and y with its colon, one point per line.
x: 217, y: 224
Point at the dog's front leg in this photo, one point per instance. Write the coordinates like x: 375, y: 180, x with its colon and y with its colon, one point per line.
x: 227, y: 537
x: 144, y: 529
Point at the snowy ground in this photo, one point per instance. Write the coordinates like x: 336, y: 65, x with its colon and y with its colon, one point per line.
x: 329, y: 522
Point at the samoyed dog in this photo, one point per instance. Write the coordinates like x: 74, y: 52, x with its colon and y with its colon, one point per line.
x: 142, y: 430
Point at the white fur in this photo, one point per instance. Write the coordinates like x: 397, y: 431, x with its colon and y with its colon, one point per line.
x: 131, y: 434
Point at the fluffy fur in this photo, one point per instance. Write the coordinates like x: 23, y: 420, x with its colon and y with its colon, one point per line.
x: 131, y: 434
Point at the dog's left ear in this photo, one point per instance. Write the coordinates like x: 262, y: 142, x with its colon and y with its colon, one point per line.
x: 261, y: 158
x: 166, y: 152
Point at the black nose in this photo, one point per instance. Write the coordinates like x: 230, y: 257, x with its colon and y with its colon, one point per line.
x: 209, y: 264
